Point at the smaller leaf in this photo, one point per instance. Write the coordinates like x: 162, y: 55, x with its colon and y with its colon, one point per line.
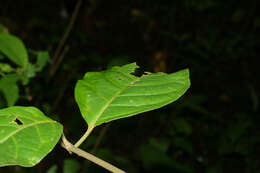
x: 71, y: 166
x: 6, y: 68
x: 29, y: 71
x: 2, y: 28
x: 42, y: 59
x: 52, y: 169
x: 184, y: 144
x: 9, y: 88
x: 161, y: 144
x: 152, y: 157
x: 236, y: 130
x: 182, y: 126
x: 14, y: 49
x: 1, y: 56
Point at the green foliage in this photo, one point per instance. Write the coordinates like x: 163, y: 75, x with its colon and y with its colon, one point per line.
x: 5, y: 68
x: 52, y: 169
x: 232, y: 142
x: 222, y: 112
x: 9, y: 88
x: 42, y: 59
x: 13, y: 48
x: 71, y: 166
x: 154, y: 154
x: 116, y: 93
x: 2, y: 28
x: 26, y: 136
x: 182, y: 126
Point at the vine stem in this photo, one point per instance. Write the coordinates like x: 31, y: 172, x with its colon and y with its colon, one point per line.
x: 84, y: 137
x: 72, y: 149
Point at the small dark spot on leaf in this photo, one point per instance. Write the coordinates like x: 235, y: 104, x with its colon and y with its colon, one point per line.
x: 18, y: 122
x: 119, y: 79
x: 138, y: 72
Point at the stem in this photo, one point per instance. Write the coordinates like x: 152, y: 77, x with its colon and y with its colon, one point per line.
x: 72, y: 149
x: 100, y: 137
x: 64, y: 38
x: 82, y: 139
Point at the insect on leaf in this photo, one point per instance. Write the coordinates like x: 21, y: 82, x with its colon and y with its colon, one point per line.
x: 116, y: 93
x: 26, y: 136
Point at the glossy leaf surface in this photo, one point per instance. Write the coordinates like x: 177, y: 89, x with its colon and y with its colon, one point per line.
x: 26, y: 136
x: 116, y: 93
x: 14, y: 49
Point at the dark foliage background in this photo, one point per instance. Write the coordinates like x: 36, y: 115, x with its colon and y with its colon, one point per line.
x: 213, y: 128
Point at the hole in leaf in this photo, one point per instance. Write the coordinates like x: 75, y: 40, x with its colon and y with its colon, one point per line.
x: 138, y: 72
x: 18, y: 122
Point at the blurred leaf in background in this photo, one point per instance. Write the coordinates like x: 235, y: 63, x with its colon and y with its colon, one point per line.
x: 13, y: 48
x: 71, y: 166
x: 9, y: 88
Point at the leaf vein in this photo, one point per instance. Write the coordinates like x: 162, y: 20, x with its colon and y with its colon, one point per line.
x: 18, y: 130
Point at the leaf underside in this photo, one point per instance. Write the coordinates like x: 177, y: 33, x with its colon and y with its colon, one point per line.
x: 116, y: 93
x: 26, y: 136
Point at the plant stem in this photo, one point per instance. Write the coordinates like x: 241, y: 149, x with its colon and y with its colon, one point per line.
x: 82, y: 139
x: 62, y: 41
x: 100, y: 137
x: 72, y: 149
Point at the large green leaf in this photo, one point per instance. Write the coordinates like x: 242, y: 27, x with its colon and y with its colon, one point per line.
x: 26, y: 136
x: 14, y: 49
x: 116, y: 93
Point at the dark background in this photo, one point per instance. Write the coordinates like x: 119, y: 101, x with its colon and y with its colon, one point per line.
x: 213, y: 128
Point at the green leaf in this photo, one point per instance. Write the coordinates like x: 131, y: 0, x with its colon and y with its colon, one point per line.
x: 2, y: 28
x: 14, y: 49
x: 26, y: 136
x: 42, y: 59
x: 6, y: 68
x: 71, y: 166
x: 116, y: 93
x: 182, y: 126
x: 52, y: 169
x: 1, y: 56
x: 183, y: 143
x: 29, y: 71
x: 151, y: 157
x: 162, y: 144
x: 9, y: 88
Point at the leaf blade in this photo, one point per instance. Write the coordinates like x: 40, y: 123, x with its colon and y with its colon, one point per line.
x: 9, y: 88
x: 26, y: 136
x: 14, y: 49
x: 116, y: 93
